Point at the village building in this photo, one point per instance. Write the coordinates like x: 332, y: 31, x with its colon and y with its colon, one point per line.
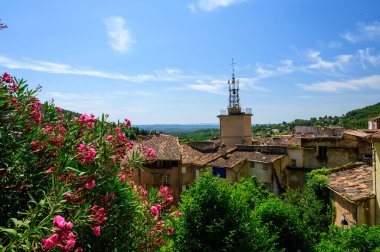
x: 374, y: 123
x: 353, y: 195
x: 245, y: 161
x: 165, y: 168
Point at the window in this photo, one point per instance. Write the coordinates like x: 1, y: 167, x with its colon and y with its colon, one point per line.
x: 219, y: 171
x: 322, y: 152
x: 293, y: 163
x: 165, y: 180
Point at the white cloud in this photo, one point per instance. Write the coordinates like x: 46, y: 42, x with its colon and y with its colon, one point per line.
x: 119, y: 37
x: 365, y: 31
x: 210, y: 5
x: 215, y: 86
x: 286, y: 67
x: 58, y: 68
x: 365, y: 56
x: 372, y: 82
x: 320, y: 63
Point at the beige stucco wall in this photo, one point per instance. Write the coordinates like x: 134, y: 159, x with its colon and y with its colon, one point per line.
x: 344, y: 209
x: 376, y: 179
x: 261, y: 171
x: 366, y: 212
x: 296, y: 154
x: 235, y: 129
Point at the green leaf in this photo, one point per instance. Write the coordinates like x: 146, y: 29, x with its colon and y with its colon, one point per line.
x: 10, y: 232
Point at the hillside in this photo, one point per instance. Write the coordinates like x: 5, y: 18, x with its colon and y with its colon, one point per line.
x: 355, y: 119
x: 358, y: 118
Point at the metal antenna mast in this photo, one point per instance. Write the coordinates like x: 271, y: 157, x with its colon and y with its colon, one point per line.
x: 233, y: 88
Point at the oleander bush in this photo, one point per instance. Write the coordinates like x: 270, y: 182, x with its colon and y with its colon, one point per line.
x: 65, y: 181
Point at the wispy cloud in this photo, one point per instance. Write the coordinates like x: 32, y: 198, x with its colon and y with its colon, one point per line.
x: 364, y: 31
x: 320, y: 63
x: 220, y: 86
x: 365, y: 57
x: 59, y: 68
x: 210, y: 5
x: 119, y: 37
x: 215, y: 86
x: 372, y: 82
x: 286, y: 67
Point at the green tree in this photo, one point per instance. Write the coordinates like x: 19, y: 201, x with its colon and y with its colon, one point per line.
x: 284, y: 221
x: 357, y: 239
x: 217, y: 218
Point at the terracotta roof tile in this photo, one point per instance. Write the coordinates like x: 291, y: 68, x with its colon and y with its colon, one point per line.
x: 236, y: 157
x: 166, y: 147
x: 195, y: 157
x: 354, y: 183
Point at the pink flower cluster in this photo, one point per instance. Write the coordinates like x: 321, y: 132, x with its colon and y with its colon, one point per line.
x: 65, y: 239
x: 88, y: 120
x: 86, y: 153
x: 127, y: 123
x: 35, y: 113
x: 90, y: 184
x: 166, y: 194
x: 7, y: 78
x: 150, y: 152
x: 98, y: 214
x: 155, y: 210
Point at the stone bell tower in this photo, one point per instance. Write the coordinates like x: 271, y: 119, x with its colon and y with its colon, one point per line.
x: 235, y: 125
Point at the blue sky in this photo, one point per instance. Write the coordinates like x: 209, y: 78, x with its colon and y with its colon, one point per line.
x: 169, y: 61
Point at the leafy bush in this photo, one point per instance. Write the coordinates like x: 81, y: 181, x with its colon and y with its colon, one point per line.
x: 284, y: 222
x: 65, y: 181
x: 357, y: 239
x: 216, y: 217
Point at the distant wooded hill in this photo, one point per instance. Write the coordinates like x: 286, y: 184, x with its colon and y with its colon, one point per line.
x: 355, y: 119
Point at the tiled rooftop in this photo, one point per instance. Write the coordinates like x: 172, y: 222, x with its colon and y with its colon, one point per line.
x: 236, y: 157
x: 195, y: 157
x: 353, y: 183
x: 166, y: 147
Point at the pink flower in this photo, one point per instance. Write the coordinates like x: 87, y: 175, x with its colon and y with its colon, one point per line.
x: 109, y: 137
x: 90, y: 184
x: 150, y: 152
x: 81, y: 147
x: 59, y: 110
x: 123, y: 178
x: 127, y: 123
x: 7, y: 78
x: 69, y: 244
x: 164, y: 191
x: 151, y: 233
x: 87, y: 120
x: 112, y: 196
x: 60, y: 222
x: 121, y: 137
x: 132, y: 183
x: 117, y: 129
x: 75, y: 118
x: 51, y: 242
x: 96, y: 230
x: 159, y: 207
x: 170, y: 231
x: 154, y: 210
x: 48, y: 128
x: 14, y: 101
x: 170, y: 199
x: 144, y: 193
